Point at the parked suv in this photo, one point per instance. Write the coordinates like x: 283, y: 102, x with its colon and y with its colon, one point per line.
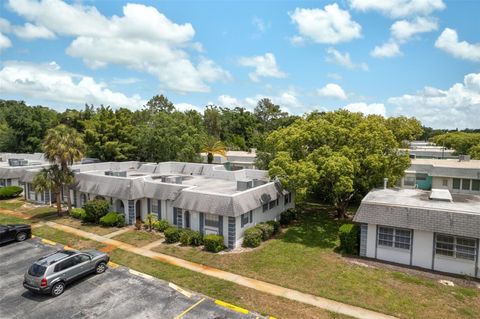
x: 51, y: 273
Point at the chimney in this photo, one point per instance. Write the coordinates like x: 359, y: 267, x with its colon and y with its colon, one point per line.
x: 385, y: 183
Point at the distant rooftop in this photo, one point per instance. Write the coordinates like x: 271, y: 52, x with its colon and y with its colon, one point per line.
x: 461, y: 203
x: 451, y: 163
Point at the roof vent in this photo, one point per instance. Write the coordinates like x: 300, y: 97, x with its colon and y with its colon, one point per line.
x: 17, y: 162
x: 464, y: 158
x: 258, y: 182
x: 244, y: 185
x: 173, y: 179
x: 441, y: 195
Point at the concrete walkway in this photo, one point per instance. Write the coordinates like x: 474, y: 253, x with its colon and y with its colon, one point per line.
x: 327, y: 304
x: 153, y: 244
x: 118, y: 232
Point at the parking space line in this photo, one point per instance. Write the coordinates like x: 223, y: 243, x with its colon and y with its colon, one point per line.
x: 49, y: 242
x: 180, y: 290
x: 112, y: 265
x: 190, y: 308
x: 233, y: 307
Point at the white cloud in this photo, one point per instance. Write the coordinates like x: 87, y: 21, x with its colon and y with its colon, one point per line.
x: 260, y: 25
x: 448, y: 42
x: 386, y: 50
x: 334, y: 76
x: 265, y: 66
x: 142, y: 39
x: 182, y: 107
x: 4, y: 42
x: 331, y: 25
x: 335, y: 56
x: 47, y: 82
x: 31, y: 31
x: 456, y: 107
x: 398, y: 8
x: 403, y: 30
x: 228, y: 101
x: 332, y: 90
x: 367, y: 109
x: 5, y: 25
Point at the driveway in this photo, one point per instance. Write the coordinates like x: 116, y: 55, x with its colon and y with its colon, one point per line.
x: 115, y: 294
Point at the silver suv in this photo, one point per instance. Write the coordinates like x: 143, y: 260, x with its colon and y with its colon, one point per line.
x: 51, y: 273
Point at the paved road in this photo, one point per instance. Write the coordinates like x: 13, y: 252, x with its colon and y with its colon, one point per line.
x: 115, y: 294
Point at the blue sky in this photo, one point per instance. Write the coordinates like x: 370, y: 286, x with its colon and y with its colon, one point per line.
x: 393, y: 57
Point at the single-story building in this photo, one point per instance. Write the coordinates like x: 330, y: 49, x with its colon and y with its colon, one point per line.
x: 434, y: 229
x: 203, y: 197
x: 235, y: 159
x: 13, y: 166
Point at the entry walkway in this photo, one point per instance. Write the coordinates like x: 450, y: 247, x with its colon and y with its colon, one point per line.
x: 327, y: 304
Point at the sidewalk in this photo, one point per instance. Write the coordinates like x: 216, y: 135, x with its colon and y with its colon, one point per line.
x: 327, y: 304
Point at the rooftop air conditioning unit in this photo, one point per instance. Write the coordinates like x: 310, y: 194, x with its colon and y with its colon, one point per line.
x: 108, y: 173
x: 244, y: 185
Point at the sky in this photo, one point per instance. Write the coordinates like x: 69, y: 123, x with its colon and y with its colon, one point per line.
x: 392, y: 57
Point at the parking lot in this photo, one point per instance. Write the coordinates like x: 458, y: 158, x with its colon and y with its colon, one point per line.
x: 115, y: 294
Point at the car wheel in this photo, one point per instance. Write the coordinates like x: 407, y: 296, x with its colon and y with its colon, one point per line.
x: 21, y: 236
x: 58, y: 289
x: 101, y: 267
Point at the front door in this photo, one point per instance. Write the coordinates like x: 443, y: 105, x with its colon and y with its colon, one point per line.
x: 138, y: 210
x: 187, y: 219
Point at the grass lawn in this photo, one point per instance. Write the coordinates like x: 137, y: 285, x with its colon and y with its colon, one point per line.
x: 11, y: 204
x: 7, y: 219
x: 75, y: 223
x: 138, y: 238
x: 303, y: 258
x: 66, y: 238
x: 220, y: 289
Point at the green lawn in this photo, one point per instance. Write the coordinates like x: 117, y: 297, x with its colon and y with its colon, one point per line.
x: 66, y: 238
x: 304, y: 258
x: 138, y: 238
x: 11, y: 204
x: 220, y: 289
x: 7, y: 219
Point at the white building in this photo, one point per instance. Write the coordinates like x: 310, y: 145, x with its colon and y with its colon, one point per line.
x: 203, y: 197
x: 432, y: 230
x: 455, y: 175
x: 420, y: 149
x: 235, y: 159
x: 12, y: 166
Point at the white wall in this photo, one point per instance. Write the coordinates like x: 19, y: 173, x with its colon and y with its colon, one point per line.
x: 371, y: 240
x: 422, y: 249
x: 396, y: 255
x: 454, y: 265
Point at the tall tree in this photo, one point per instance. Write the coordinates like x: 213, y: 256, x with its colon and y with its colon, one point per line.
x: 212, y: 146
x: 63, y: 145
x: 160, y: 103
x: 268, y: 114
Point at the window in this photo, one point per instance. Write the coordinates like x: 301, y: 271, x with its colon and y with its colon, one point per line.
x: 81, y: 259
x: 2, y: 182
x: 272, y: 204
x: 394, y: 237
x: 409, y: 180
x: 456, y: 183
x: 64, y: 264
x: 245, y: 219
x: 31, y: 192
x: 265, y: 207
x: 456, y: 247
x: 212, y: 220
x: 176, y: 211
x: 475, y: 184
x: 466, y: 184
x: 154, y: 208
x: 445, y: 182
x: 421, y: 177
x: 288, y: 198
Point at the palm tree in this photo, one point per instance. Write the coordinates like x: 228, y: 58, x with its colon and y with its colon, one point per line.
x: 64, y: 145
x: 53, y: 178
x: 213, y: 146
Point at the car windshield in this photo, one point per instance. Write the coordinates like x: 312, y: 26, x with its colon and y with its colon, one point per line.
x: 36, y: 270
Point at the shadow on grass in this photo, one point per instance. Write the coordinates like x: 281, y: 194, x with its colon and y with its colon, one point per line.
x: 315, y: 228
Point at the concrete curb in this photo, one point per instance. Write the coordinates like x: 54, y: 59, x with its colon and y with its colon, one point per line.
x: 232, y: 307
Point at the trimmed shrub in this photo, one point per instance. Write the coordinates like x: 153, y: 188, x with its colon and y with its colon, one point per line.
x: 10, y: 192
x: 190, y: 237
x: 276, y: 226
x: 213, y: 243
x: 349, y: 238
x: 267, y: 230
x: 288, y: 216
x: 78, y: 213
x: 112, y: 219
x: 96, y: 209
x: 172, y: 235
x: 252, y: 237
x: 161, y: 225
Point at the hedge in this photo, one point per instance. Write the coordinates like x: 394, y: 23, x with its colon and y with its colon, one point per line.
x: 288, y: 216
x: 172, y: 235
x: 267, y: 230
x: 190, y: 237
x: 10, y: 192
x: 276, y: 226
x: 252, y: 237
x: 112, y: 219
x: 78, y: 213
x: 349, y: 238
x: 213, y: 243
x: 161, y: 225
x: 96, y: 209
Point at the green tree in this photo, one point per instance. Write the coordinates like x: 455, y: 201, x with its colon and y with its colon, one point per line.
x: 63, y: 145
x: 212, y: 146
x: 151, y: 218
x: 268, y: 114
x: 160, y: 103
x: 474, y: 152
x: 461, y: 142
x: 212, y: 121
x: 52, y: 179
x: 405, y: 128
